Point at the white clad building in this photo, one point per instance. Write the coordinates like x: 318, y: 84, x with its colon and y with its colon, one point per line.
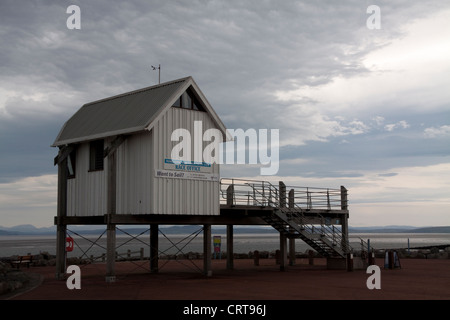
x: 147, y: 179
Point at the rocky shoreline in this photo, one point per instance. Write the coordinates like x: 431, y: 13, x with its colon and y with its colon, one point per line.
x: 12, y: 279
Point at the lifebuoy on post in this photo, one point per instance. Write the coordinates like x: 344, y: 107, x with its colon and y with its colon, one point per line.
x: 69, y: 244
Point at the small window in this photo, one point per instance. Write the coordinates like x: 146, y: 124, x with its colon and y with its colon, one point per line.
x: 196, y: 106
x: 71, y: 164
x: 194, y: 103
x: 177, y: 103
x: 96, y: 155
x: 188, y: 101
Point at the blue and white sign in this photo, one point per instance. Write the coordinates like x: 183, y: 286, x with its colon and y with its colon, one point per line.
x: 181, y: 175
x: 187, y: 166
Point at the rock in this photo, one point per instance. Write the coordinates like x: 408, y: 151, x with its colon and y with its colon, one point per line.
x: 442, y: 255
x: 434, y: 250
x: 11, y: 279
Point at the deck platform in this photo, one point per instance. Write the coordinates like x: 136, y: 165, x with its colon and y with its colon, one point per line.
x: 318, y: 216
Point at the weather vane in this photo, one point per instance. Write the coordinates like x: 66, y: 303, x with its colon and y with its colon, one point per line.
x: 159, y: 72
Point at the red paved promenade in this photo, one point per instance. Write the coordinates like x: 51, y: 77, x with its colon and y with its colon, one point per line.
x: 418, y: 279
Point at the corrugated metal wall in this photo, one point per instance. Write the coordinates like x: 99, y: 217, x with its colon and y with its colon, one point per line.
x: 86, y: 193
x: 138, y: 190
x: 172, y: 196
x: 134, y: 176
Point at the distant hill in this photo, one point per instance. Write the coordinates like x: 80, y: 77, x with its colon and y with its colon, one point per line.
x: 28, y: 229
x: 399, y: 229
x: 432, y: 230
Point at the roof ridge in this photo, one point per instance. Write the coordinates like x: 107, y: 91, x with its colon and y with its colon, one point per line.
x: 138, y: 91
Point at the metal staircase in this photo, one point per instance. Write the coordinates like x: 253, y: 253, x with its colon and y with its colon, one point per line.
x: 319, y: 238
x: 291, y: 221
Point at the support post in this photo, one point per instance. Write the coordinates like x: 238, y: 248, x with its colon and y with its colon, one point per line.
x: 207, y: 250
x: 111, y: 210
x: 154, y: 268
x: 283, y: 251
x: 291, y: 240
x: 61, y: 212
x: 230, y: 249
x: 110, y: 252
x: 61, y: 251
x: 344, y: 220
x: 283, y: 236
x: 292, y: 251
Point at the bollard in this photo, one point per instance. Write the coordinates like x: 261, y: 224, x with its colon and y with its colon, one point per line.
x: 391, y: 259
x: 256, y: 258
x: 371, y: 258
x: 277, y: 257
x: 349, y: 261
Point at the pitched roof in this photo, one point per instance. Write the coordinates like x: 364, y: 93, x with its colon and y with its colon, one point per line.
x: 126, y: 113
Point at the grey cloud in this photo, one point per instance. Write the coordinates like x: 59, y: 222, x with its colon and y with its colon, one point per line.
x: 391, y: 174
x: 439, y: 132
x: 238, y: 52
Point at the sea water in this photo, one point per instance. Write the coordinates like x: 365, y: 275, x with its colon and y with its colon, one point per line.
x: 95, y: 245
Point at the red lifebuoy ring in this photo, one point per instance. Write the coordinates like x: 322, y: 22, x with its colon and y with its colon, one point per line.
x: 69, y: 244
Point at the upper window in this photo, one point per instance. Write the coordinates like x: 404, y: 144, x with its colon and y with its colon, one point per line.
x: 188, y: 101
x: 177, y: 103
x: 96, y: 155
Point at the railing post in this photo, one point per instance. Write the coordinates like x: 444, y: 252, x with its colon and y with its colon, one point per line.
x: 263, y: 194
x: 230, y: 194
x: 282, y: 194
x: 291, y: 200
x: 308, y: 199
x: 270, y: 196
x: 328, y: 200
x: 344, y: 205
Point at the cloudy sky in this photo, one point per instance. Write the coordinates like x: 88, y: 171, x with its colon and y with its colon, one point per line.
x: 365, y: 108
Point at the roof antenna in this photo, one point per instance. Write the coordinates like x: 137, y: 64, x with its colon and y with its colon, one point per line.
x: 159, y: 72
